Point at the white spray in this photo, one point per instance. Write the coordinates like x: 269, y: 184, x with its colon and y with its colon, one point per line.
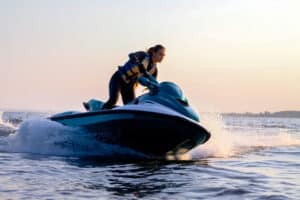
x: 6, y: 128
x: 227, y: 143
x: 43, y: 136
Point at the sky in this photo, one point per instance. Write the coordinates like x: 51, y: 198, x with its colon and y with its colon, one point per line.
x: 226, y: 55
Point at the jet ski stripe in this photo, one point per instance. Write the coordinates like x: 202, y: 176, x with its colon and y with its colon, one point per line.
x: 81, y: 121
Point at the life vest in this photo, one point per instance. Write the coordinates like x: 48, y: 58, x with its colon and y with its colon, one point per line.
x: 138, y: 64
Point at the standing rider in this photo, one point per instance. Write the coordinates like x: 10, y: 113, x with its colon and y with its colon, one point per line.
x: 140, y: 64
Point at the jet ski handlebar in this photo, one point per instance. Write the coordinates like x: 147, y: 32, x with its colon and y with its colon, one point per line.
x: 150, y: 82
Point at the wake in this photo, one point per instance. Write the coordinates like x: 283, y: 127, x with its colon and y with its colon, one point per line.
x: 43, y: 136
x: 226, y: 142
x: 6, y: 128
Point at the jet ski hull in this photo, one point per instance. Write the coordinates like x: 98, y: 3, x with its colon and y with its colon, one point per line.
x: 151, y: 133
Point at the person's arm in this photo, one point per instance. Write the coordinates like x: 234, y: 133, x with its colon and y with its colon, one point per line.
x: 151, y: 78
x: 149, y: 83
x: 155, y: 73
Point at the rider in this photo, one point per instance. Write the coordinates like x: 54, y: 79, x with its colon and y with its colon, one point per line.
x: 124, y: 80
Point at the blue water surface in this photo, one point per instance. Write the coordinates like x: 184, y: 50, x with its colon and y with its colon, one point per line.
x: 246, y: 158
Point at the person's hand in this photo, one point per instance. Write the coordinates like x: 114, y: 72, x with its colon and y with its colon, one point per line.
x: 151, y: 78
x: 153, y: 89
x: 143, y: 81
x: 151, y: 85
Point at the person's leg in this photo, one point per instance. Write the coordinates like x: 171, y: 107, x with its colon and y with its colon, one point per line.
x: 128, y: 93
x: 114, y: 89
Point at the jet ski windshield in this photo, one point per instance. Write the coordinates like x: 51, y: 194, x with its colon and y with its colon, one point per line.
x: 167, y: 88
x: 173, y: 90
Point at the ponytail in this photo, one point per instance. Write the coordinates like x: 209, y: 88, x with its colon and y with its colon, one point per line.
x: 155, y: 48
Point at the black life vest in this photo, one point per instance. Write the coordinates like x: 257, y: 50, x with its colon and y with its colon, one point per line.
x: 139, y: 64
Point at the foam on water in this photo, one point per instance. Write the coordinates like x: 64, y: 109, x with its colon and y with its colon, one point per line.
x: 6, y: 128
x: 3, y: 123
x: 226, y: 143
x: 43, y: 136
x: 1, y: 114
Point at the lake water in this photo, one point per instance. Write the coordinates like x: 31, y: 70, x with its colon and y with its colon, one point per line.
x: 246, y: 158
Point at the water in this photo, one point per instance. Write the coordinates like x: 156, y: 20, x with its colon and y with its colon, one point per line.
x: 246, y: 158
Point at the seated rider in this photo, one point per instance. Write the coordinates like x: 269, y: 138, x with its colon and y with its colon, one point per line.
x: 140, y: 64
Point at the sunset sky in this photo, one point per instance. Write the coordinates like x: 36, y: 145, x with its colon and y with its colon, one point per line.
x: 227, y: 55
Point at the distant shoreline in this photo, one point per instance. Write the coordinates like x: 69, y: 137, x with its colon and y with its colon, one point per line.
x: 280, y: 114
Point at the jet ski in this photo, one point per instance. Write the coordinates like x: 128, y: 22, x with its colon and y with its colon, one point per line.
x: 158, y: 123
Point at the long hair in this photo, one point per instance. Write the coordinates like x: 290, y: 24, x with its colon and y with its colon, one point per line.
x: 155, y: 48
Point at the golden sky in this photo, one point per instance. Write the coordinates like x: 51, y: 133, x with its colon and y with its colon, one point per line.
x: 228, y: 56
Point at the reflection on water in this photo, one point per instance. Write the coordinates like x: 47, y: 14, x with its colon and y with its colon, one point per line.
x: 137, y: 178
x: 248, y: 176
